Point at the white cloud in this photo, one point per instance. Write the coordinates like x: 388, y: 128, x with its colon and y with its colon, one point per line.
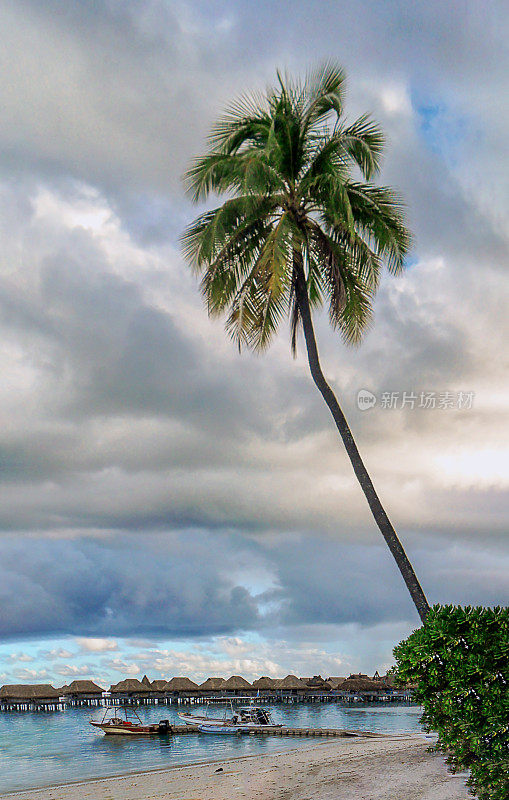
x: 124, y: 667
x: 72, y: 670
x: 14, y: 658
x: 225, y: 656
x: 31, y: 675
x: 58, y: 652
x: 96, y: 645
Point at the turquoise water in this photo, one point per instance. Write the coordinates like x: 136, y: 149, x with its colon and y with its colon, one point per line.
x: 41, y: 749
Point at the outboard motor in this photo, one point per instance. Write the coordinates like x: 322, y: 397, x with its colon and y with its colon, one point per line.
x: 164, y: 726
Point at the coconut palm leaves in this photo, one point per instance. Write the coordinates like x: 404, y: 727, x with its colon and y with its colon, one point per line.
x: 292, y: 166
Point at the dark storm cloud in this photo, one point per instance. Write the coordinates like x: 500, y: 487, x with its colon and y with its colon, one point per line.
x: 188, y: 584
x: 124, y: 587
x: 323, y: 581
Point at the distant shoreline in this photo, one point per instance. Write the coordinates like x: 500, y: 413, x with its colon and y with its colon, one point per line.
x: 343, y: 769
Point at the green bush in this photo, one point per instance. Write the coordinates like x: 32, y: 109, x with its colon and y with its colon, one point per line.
x: 459, y: 663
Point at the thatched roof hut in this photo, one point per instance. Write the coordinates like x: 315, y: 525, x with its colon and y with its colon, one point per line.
x: 388, y: 680
x: 335, y: 683
x: 291, y: 683
x: 82, y: 687
x: 159, y: 685
x: 236, y: 683
x: 146, y: 681
x: 181, y: 685
x: 36, y: 692
x: 265, y: 683
x: 130, y: 686
x: 357, y: 683
x: 317, y: 682
x: 212, y: 685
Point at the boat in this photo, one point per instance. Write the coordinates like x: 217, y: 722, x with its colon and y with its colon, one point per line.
x: 124, y: 721
x: 242, y: 720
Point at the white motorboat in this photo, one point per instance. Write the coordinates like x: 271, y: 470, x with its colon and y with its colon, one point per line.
x: 242, y: 720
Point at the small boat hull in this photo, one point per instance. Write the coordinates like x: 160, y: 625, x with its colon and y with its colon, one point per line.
x: 126, y: 722
x: 221, y: 729
x: 129, y: 730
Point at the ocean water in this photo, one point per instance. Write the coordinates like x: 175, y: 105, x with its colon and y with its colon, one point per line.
x: 43, y: 749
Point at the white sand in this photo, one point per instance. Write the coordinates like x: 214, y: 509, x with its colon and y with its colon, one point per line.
x: 388, y: 768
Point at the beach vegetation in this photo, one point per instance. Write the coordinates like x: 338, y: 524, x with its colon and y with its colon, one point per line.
x: 458, y: 662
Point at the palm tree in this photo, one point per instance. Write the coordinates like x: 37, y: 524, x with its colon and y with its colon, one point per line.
x: 299, y: 229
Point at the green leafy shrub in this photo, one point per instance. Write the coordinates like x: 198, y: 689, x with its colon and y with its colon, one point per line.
x: 459, y: 663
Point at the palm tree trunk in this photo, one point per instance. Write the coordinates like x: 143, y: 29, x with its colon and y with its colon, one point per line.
x: 381, y: 518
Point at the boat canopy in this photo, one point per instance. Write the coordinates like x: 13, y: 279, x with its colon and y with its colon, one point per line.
x: 254, y: 714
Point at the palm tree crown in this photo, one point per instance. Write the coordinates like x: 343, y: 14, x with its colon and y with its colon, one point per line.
x: 296, y: 175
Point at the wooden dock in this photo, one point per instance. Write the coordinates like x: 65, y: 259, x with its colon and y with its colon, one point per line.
x: 332, y: 732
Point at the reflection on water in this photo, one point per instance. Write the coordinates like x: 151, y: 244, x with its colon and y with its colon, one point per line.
x: 38, y: 749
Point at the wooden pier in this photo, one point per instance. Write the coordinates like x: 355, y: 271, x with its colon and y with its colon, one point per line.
x: 178, y: 730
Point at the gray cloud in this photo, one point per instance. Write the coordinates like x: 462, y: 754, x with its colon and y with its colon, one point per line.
x: 189, y: 584
x: 125, y: 410
x: 122, y: 587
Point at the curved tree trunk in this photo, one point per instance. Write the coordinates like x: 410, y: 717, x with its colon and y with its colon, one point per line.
x: 381, y: 518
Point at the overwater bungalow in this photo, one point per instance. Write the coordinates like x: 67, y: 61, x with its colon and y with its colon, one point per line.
x: 265, y: 687
x: 211, y: 686
x: 357, y: 686
x: 362, y: 687
x: 291, y: 687
x: 236, y: 685
x: 29, y: 697
x: 181, y: 689
x: 82, y: 693
x: 131, y: 690
x: 158, y: 690
x: 317, y: 683
x: 318, y: 689
x: 159, y: 685
x: 335, y: 683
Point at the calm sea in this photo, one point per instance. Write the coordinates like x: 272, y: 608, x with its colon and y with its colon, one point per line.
x: 41, y: 749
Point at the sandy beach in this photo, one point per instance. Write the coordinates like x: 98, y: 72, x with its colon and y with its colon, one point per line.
x: 386, y: 768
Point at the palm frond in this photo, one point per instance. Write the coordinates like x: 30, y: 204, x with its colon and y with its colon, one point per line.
x: 324, y: 90
x: 350, y: 298
x: 364, y: 141
x: 206, y: 237
x: 223, y: 277
x: 229, y: 135
x: 247, y: 172
x: 262, y: 298
x: 328, y: 157
x: 379, y: 213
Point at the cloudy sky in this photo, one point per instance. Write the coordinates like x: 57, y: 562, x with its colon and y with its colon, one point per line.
x: 166, y: 505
